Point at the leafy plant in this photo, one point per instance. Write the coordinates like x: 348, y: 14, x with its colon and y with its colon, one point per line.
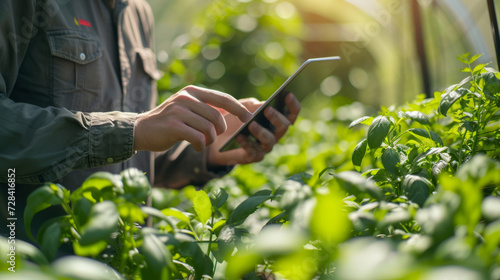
x: 100, y: 219
x: 406, y: 152
x: 422, y: 204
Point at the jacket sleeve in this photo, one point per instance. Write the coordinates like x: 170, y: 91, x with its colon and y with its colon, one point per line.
x: 44, y: 144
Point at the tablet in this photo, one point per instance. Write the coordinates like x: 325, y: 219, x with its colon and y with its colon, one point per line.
x: 302, y: 83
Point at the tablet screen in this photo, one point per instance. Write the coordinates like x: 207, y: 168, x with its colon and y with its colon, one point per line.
x: 302, y: 83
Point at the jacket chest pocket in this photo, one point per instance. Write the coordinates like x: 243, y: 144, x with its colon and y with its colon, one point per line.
x: 76, y: 69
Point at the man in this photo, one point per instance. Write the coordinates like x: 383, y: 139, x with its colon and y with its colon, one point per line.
x: 77, y: 88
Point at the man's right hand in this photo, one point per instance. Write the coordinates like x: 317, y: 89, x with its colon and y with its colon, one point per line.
x: 193, y: 114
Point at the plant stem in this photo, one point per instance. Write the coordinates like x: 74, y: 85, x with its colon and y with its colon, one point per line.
x: 461, y: 157
x: 211, y: 234
x: 68, y: 210
x: 194, y: 232
x: 124, y: 248
x: 479, y: 122
x: 404, y: 228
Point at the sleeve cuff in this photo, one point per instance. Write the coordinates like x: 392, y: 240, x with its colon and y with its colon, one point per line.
x: 111, y: 137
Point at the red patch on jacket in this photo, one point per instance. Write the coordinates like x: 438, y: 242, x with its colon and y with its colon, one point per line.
x: 84, y: 22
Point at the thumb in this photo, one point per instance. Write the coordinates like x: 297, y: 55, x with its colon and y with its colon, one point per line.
x: 252, y: 104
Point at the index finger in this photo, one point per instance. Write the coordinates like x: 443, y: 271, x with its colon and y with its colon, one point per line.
x: 220, y: 100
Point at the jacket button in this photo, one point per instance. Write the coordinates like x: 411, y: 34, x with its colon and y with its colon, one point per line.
x: 83, y: 56
x: 109, y: 160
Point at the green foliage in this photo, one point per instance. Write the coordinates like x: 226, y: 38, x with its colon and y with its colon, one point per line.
x: 411, y: 147
x: 265, y: 44
x: 247, y: 207
x: 424, y: 204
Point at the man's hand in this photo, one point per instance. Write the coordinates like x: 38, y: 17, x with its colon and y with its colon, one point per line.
x: 251, y: 151
x: 193, y: 114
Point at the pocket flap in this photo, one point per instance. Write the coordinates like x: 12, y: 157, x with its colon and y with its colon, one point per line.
x: 76, y: 46
x: 148, y: 58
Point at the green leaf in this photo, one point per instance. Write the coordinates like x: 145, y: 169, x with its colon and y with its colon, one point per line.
x: 377, y: 131
x: 492, y: 85
x: 464, y: 58
x: 466, y: 70
x: 431, y: 151
x: 448, y: 99
x: 293, y: 191
x: 64, y: 224
x: 482, y: 170
x: 247, y: 207
x: 51, y: 241
x: 416, y: 188
x: 24, y: 251
x: 359, y: 186
x: 474, y: 58
x: 435, y: 137
x: 130, y: 211
x: 390, y: 160
x: 217, y: 227
x: 98, y: 185
x: 362, y: 120
x: 202, y: 206
x: 81, y: 210
x: 479, y: 67
x: 436, y: 219
x: 424, y: 133
x: 463, y: 82
x: 42, y: 198
x: 395, y: 216
x: 218, y: 197
x: 136, y: 185
x: 176, y: 214
x: 78, y: 268
x: 243, y: 264
x: 228, y: 238
x: 92, y: 250
x: 157, y: 256
x: 329, y: 222
x: 153, y: 212
x: 491, y: 208
x: 275, y: 241
x: 491, y: 235
x: 103, y: 220
x: 163, y: 198
x: 363, y: 221
x: 360, y: 258
x: 278, y: 219
x: 438, y: 167
x: 359, y: 153
x: 201, y: 263
x: 470, y: 125
x: 415, y: 116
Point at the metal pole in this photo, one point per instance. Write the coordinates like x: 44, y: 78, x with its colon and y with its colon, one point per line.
x: 494, y: 29
x: 419, y: 40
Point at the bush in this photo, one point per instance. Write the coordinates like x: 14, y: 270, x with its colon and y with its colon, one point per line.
x: 423, y: 203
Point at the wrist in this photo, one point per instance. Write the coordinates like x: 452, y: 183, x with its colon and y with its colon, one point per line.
x: 138, y: 145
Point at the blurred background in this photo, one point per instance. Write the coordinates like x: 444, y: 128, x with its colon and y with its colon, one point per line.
x: 391, y: 50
